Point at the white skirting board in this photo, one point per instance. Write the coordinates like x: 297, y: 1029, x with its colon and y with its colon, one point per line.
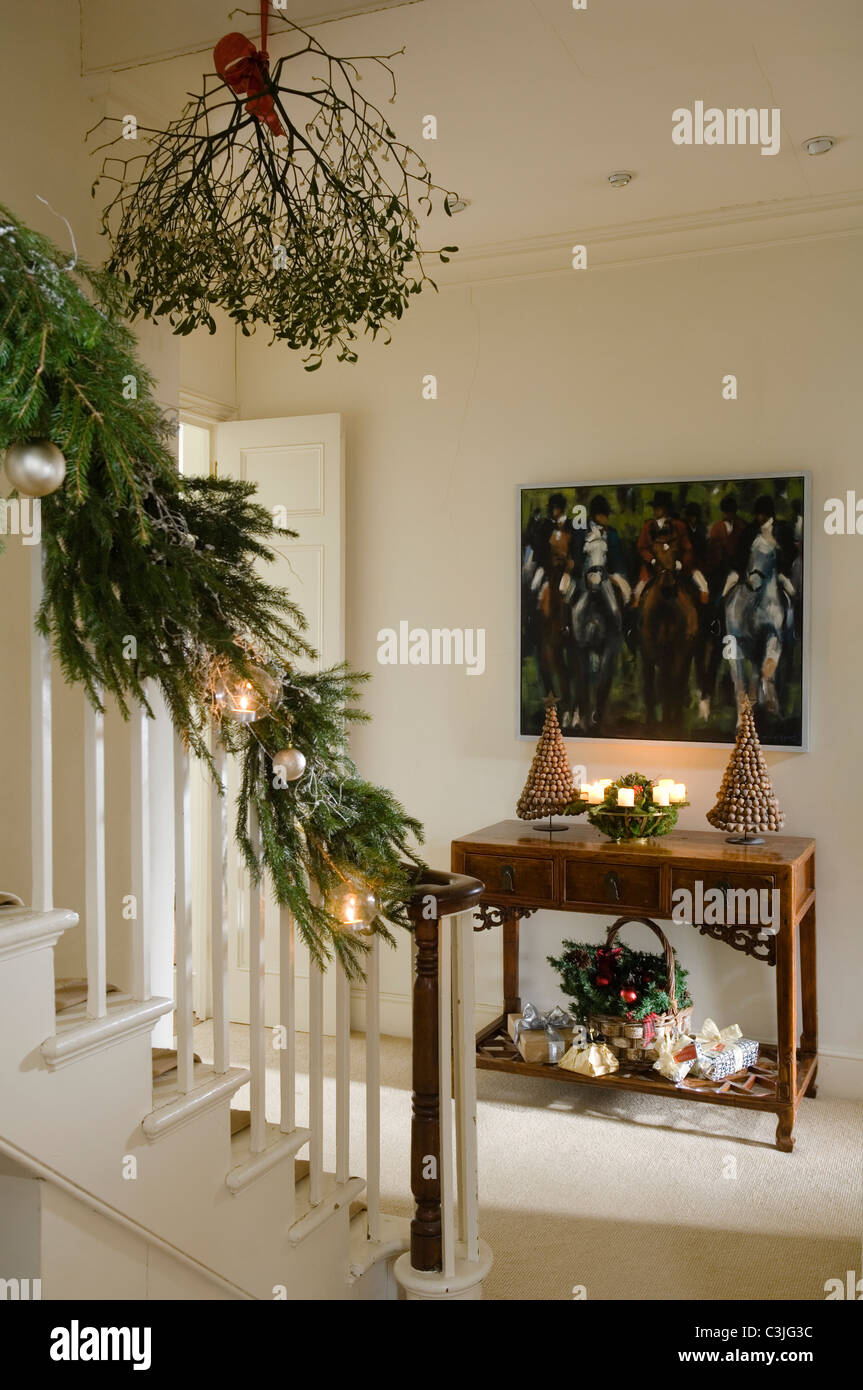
x: 396, y: 1013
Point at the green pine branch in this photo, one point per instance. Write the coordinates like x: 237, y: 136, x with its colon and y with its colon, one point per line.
x: 150, y: 576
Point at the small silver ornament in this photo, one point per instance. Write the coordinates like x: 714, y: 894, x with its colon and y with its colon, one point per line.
x: 36, y: 468
x: 290, y: 762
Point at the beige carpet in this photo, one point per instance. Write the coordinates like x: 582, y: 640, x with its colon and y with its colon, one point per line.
x: 632, y: 1197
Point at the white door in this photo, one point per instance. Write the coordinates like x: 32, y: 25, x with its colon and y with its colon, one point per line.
x: 297, y: 464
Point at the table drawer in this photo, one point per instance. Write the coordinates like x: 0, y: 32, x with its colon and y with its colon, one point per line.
x: 521, y: 876
x: 739, y: 910
x: 629, y: 886
x: 718, y: 878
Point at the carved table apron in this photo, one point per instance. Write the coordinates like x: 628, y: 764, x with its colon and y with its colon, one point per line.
x: 579, y: 870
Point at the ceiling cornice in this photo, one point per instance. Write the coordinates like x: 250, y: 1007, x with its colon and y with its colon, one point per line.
x: 691, y: 234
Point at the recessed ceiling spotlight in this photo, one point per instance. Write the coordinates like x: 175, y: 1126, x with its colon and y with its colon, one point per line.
x: 457, y: 204
x: 620, y: 179
x: 819, y: 144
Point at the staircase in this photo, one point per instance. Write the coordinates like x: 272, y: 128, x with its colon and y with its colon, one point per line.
x: 119, y: 1178
x: 125, y: 1170
x: 126, y: 1187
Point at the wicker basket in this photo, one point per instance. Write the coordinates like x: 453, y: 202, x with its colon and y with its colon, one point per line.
x: 628, y: 1038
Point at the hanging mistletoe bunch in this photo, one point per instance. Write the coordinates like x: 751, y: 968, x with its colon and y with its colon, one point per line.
x: 617, y: 981
x: 152, y: 577
x: 281, y: 195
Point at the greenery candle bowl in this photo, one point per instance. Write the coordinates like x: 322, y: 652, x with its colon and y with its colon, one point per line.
x: 651, y: 814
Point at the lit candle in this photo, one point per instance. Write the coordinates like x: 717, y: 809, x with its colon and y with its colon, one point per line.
x: 626, y: 796
x: 604, y: 782
x: 677, y: 793
x: 666, y: 782
x: 594, y: 794
x: 661, y: 795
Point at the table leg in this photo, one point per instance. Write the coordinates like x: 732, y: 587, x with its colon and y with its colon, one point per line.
x: 786, y: 1020
x: 809, y: 1002
x: 511, y: 998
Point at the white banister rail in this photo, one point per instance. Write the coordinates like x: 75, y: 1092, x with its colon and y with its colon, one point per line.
x: 257, y: 1039
x: 447, y: 1191
x: 464, y: 1072
x: 316, y: 1083
x: 41, y: 802
x: 183, y: 917
x: 287, y: 1019
x: 343, y: 1073
x: 94, y: 856
x: 219, y: 907
x: 140, y: 829
x: 373, y: 1089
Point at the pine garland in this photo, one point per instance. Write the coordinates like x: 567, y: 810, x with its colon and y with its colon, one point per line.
x: 150, y: 576
x: 643, y: 972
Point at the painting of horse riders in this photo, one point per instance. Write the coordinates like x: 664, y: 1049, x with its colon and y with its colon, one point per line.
x: 650, y: 609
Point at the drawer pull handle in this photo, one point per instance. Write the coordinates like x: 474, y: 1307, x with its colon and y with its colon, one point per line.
x: 507, y: 875
x: 612, y: 886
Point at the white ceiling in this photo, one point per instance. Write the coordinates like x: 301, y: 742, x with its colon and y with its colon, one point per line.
x: 123, y: 33
x: 536, y: 102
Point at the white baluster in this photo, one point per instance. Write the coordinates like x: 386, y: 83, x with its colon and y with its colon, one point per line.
x: 140, y: 826
x: 464, y: 1052
x: 287, y: 1018
x: 183, y: 916
x: 316, y: 1083
x: 41, y: 802
x: 219, y: 910
x: 447, y: 1194
x: 94, y: 856
x: 343, y: 1073
x: 257, y: 1039
x: 373, y: 1089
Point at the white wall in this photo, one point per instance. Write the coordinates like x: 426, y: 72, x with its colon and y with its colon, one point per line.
x: 611, y: 374
x: 48, y: 157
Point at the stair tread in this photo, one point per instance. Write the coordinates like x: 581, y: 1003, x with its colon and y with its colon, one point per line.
x: 70, y: 992
x: 241, y: 1120
x: 165, y: 1061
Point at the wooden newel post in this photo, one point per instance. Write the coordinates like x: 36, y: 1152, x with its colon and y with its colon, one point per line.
x: 425, y: 1127
x: 436, y: 898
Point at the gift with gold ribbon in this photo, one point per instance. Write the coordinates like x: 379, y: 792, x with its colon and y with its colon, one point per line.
x: 722, y: 1051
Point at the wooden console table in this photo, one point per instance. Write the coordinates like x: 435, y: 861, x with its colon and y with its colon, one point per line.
x: 579, y: 870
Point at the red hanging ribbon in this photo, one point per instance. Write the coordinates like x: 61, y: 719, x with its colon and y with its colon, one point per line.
x: 246, y: 69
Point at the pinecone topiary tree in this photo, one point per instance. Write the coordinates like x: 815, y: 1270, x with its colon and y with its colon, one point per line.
x: 549, y: 787
x: 745, y: 803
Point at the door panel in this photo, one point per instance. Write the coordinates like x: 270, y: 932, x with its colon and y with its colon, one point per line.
x: 297, y: 464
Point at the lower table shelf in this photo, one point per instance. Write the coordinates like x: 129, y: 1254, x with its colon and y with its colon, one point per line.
x: 495, y: 1051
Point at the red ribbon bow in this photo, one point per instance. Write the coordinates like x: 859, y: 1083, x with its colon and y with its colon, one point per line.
x: 649, y: 1028
x: 247, y: 69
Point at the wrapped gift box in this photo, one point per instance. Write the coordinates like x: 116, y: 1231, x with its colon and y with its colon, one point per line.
x: 533, y: 1043
x: 723, y: 1051
x: 724, y: 1059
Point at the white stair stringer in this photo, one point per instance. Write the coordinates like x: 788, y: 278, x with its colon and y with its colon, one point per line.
x: 93, y: 1125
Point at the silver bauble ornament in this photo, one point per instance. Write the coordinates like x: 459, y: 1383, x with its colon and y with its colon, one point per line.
x: 36, y: 468
x: 290, y: 762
